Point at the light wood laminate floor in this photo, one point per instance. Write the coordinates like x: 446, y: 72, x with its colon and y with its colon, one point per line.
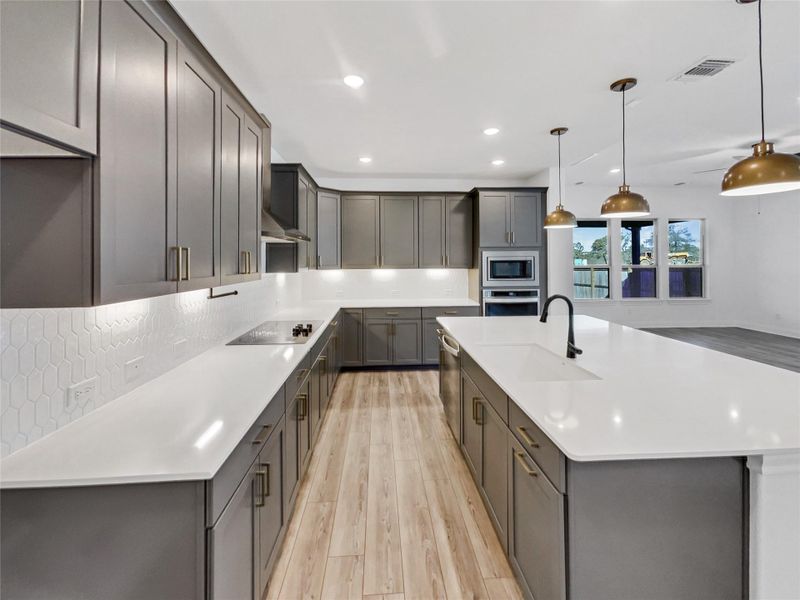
x: 388, y: 509
x: 776, y: 350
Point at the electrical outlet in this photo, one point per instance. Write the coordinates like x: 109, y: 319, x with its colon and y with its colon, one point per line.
x: 82, y: 392
x: 133, y: 369
x: 179, y: 348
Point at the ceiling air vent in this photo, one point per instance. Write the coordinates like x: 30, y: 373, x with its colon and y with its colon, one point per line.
x: 708, y: 67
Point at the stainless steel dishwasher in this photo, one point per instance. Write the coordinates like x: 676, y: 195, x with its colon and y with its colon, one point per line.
x: 450, y: 381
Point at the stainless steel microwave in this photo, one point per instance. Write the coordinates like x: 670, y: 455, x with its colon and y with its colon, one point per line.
x: 510, y: 268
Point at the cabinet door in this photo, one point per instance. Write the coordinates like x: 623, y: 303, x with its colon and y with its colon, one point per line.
x: 311, y: 230
x: 304, y: 429
x: 302, y: 221
x: 526, y: 219
x: 494, y: 219
x: 137, y: 173
x: 407, y: 342
x: 232, y: 264
x: 536, y: 527
x: 269, y: 502
x: 471, y: 433
x: 430, y: 342
x: 233, y: 546
x: 198, y: 162
x: 495, y: 468
x: 378, y: 342
x: 352, y: 337
x: 399, y: 231
x: 458, y: 241
x: 315, y: 399
x: 48, y: 67
x: 324, y: 379
x: 360, y: 232
x: 250, y: 199
x: 328, y: 231
x: 291, y: 466
x: 432, y: 231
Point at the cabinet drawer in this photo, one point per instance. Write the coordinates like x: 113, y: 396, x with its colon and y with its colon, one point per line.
x: 544, y: 452
x: 431, y: 312
x: 392, y: 313
x: 220, y: 489
x: 295, y: 380
x: 493, y: 393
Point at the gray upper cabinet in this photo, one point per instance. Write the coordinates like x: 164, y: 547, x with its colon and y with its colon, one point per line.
x: 360, y: 231
x: 294, y: 204
x: 398, y: 231
x: 250, y: 199
x: 48, y: 62
x: 302, y: 220
x: 328, y: 228
x: 458, y: 227
x: 311, y: 225
x: 198, y: 176
x: 510, y: 218
x: 432, y: 233
x: 526, y: 218
x: 137, y: 255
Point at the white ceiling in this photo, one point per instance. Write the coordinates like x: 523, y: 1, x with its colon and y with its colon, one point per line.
x: 438, y: 73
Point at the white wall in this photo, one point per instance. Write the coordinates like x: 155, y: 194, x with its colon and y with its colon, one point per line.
x: 45, y: 351
x: 384, y: 283
x: 768, y: 237
x: 723, y: 305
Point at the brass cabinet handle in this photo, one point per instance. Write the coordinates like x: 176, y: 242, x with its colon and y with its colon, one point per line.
x: 178, y: 262
x: 249, y: 262
x: 392, y: 313
x: 301, y: 373
x: 302, y: 409
x: 479, y: 419
x: 443, y: 263
x: 188, y: 251
x: 447, y: 261
x: 317, y: 265
x: 266, y: 490
x: 451, y: 312
x: 334, y: 323
x: 263, y: 435
x: 475, y: 407
x: 243, y: 262
x: 520, y: 456
x: 528, y: 439
x: 260, y: 477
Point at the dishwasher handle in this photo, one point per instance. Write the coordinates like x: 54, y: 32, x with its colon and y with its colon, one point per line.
x: 454, y: 350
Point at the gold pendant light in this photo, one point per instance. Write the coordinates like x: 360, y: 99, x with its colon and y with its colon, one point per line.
x: 625, y: 203
x: 559, y: 218
x: 767, y: 171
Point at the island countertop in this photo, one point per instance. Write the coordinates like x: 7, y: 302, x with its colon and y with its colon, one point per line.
x: 633, y: 394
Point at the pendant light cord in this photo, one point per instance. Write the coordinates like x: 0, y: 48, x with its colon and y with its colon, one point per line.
x: 624, y: 182
x: 761, y: 70
x: 560, y: 201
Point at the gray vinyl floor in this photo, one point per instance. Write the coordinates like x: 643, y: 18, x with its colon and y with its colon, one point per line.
x: 776, y: 350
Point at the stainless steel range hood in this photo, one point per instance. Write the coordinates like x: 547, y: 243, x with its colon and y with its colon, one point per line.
x: 272, y: 230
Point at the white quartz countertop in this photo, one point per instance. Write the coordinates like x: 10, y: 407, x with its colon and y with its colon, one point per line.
x: 156, y: 432
x: 633, y: 394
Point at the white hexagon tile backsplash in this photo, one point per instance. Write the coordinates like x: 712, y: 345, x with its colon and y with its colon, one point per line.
x: 45, y: 351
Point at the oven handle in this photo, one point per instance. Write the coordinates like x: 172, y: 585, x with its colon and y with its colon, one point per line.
x: 454, y: 350
x: 511, y: 300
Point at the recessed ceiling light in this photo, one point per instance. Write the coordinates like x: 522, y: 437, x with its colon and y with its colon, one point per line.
x: 491, y: 131
x: 354, y: 81
x: 498, y: 161
x: 615, y: 170
x: 365, y: 159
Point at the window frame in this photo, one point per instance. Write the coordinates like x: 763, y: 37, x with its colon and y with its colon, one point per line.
x: 591, y: 268
x: 655, y: 266
x: 702, y: 265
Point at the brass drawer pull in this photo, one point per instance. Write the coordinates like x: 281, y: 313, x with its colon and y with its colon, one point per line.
x: 301, y: 373
x: 260, y: 478
x: 266, y: 489
x: 451, y: 312
x: 392, y: 313
x: 528, y: 439
x: 476, y: 409
x: 178, y: 262
x: 188, y: 251
x: 263, y: 435
x: 243, y: 262
x: 302, y: 409
x: 520, y: 456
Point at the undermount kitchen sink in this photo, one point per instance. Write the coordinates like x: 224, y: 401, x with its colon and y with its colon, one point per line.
x: 531, y: 362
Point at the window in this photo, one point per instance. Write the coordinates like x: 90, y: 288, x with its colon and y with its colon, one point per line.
x: 590, y: 259
x: 685, y: 238
x: 638, y: 251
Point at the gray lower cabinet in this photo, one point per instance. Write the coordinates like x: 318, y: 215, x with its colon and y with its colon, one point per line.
x: 328, y: 228
x: 360, y: 231
x: 430, y: 342
x: 292, y: 467
x: 536, y: 528
x: 304, y: 437
x: 269, y: 503
x: 378, y: 342
x: 137, y: 255
x: 315, y: 398
x: 49, y: 90
x: 398, y: 232
x: 406, y: 342
x: 199, y: 100
x: 352, y: 337
x: 471, y: 438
